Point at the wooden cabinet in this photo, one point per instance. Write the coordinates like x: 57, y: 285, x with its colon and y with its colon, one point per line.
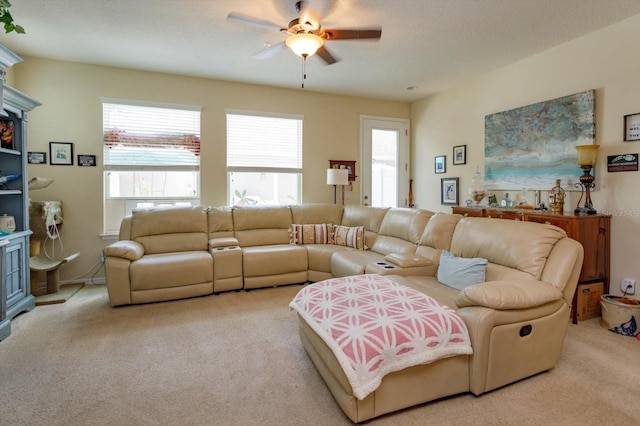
x: 592, y: 231
x: 14, y: 201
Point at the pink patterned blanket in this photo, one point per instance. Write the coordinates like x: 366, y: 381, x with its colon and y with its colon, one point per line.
x: 375, y: 326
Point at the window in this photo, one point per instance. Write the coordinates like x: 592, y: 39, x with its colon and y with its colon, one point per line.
x: 151, y: 157
x: 264, y: 158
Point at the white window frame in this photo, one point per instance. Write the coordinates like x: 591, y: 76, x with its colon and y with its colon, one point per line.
x: 297, y: 171
x: 114, y: 205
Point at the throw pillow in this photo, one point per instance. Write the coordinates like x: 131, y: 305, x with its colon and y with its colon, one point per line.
x: 349, y: 236
x: 461, y: 272
x: 320, y: 233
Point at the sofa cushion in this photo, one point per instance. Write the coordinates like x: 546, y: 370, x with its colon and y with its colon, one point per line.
x: 319, y: 256
x: 273, y: 260
x: 316, y: 213
x: 261, y: 225
x: 406, y: 224
x: 506, y: 242
x: 439, y: 231
x: 353, y: 261
x: 169, y: 270
x: 170, y: 229
x: 400, y: 230
x: 220, y: 222
x: 460, y: 272
x: 318, y: 233
x: 349, y: 236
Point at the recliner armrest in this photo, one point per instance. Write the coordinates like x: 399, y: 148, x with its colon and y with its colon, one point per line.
x: 126, y: 249
x: 508, y: 294
x: 408, y: 260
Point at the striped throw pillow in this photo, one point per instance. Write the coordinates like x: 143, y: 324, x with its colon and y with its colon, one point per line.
x: 349, y: 236
x: 317, y: 233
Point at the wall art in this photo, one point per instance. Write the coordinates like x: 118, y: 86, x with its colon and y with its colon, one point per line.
x: 449, y: 191
x: 532, y: 146
x: 37, y: 157
x: 622, y: 163
x: 459, y: 155
x: 61, y: 153
x: 86, y: 160
x: 440, y: 163
x: 632, y: 127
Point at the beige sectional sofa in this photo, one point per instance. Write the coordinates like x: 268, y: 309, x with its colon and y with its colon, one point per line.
x: 516, y: 318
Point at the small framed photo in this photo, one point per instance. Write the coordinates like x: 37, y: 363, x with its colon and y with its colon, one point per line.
x: 632, y: 127
x: 449, y: 194
x: 459, y: 155
x: 440, y: 163
x: 86, y: 160
x: 61, y: 153
x: 37, y: 157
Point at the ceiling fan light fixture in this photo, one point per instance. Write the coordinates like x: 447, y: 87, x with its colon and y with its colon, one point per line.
x: 304, y: 44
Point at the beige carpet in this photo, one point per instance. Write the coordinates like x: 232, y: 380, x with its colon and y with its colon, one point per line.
x: 236, y: 359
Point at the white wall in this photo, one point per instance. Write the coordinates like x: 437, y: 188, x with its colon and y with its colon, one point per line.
x: 606, y: 61
x: 72, y: 112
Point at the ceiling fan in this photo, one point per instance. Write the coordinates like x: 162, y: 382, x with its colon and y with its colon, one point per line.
x: 306, y: 35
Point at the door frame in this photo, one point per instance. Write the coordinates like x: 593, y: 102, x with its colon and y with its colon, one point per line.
x: 404, y: 155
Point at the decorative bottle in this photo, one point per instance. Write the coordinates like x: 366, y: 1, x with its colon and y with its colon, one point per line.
x: 477, y: 190
x: 556, y: 198
x: 506, y: 201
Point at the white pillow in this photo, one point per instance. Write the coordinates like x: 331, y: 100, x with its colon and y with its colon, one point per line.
x: 461, y: 272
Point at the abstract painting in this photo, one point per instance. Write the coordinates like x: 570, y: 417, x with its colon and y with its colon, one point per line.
x: 532, y: 146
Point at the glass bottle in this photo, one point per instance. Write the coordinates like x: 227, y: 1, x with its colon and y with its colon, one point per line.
x: 477, y: 189
x: 506, y: 201
x: 556, y: 198
x: 523, y: 197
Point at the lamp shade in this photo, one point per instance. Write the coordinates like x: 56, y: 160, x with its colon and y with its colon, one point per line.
x: 587, y: 154
x: 337, y: 177
x: 304, y: 44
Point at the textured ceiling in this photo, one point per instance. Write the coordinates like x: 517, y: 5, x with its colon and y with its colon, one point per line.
x: 428, y: 44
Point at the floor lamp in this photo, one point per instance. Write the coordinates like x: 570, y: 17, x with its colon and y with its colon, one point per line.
x: 337, y: 177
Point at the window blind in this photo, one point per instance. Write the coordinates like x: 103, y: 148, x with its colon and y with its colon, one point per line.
x: 142, y: 134
x: 261, y: 142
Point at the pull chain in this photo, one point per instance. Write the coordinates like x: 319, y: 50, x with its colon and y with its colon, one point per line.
x: 304, y: 69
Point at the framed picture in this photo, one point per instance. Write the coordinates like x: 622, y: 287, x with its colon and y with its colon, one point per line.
x: 440, y: 163
x: 86, y: 160
x: 349, y: 165
x: 6, y: 134
x: 61, y: 153
x: 631, y: 127
x: 37, y: 157
x: 459, y: 155
x: 449, y: 194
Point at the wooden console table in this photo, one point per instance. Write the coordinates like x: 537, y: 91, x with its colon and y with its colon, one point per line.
x: 592, y: 231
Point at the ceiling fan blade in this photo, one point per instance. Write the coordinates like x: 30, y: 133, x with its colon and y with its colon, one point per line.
x: 368, y: 33
x: 244, y: 19
x: 269, y: 52
x: 324, y: 54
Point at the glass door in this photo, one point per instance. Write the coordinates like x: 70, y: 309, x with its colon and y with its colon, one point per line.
x: 385, y: 161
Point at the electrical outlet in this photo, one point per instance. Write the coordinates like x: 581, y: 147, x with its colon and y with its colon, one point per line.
x: 102, y: 257
x: 628, y: 286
